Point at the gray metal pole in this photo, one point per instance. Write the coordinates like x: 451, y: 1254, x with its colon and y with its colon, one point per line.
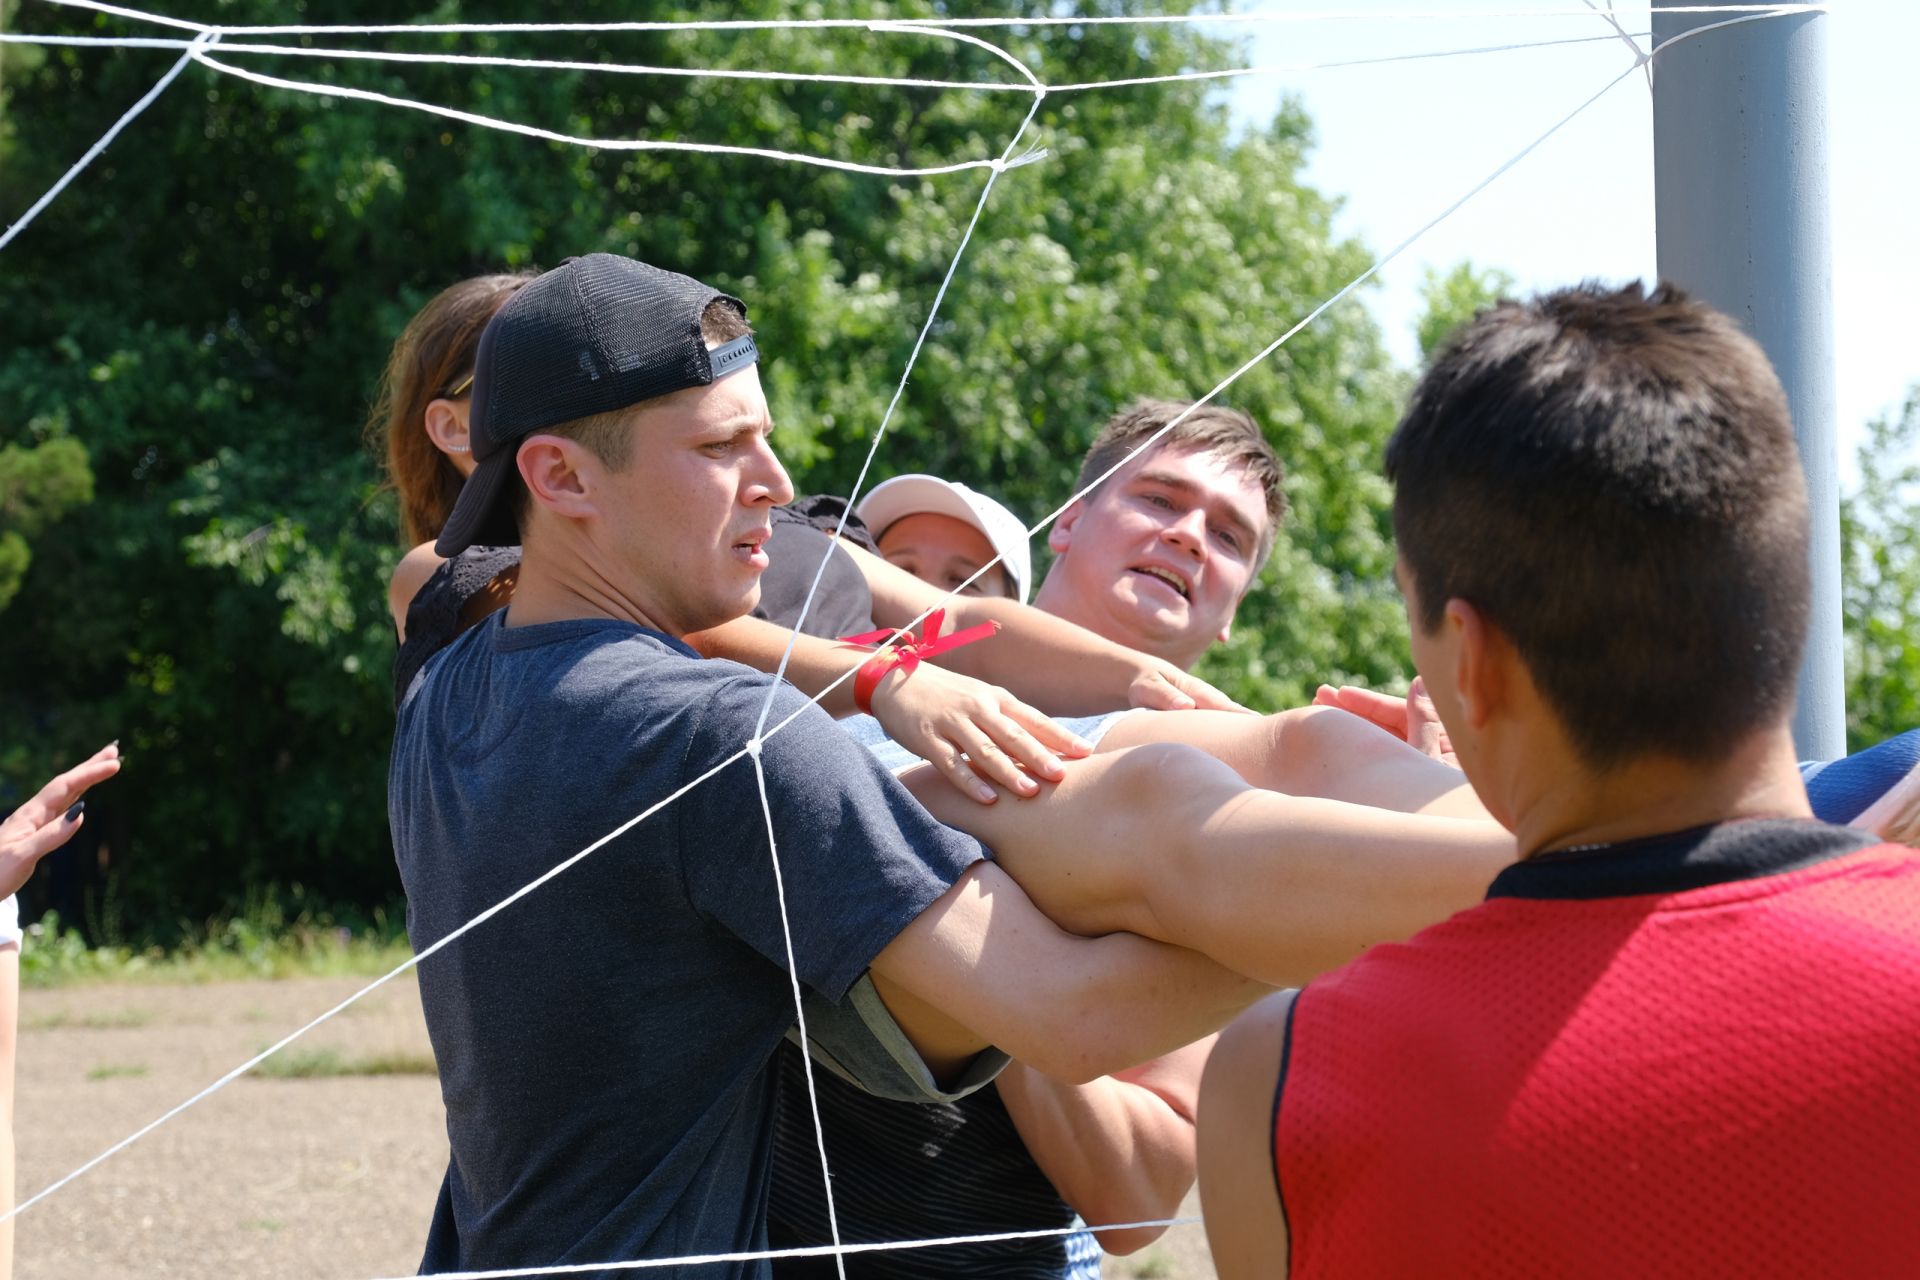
x: 1741, y: 211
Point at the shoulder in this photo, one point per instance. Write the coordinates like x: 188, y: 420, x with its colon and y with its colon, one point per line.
x: 409, y: 576
x: 1246, y: 1226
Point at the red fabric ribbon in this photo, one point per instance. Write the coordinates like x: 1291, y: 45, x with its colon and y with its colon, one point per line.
x: 906, y: 652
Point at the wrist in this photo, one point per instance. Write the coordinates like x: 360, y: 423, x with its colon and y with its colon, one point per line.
x: 882, y: 670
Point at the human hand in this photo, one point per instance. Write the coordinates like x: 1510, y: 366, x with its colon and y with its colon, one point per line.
x: 47, y: 821
x: 966, y: 728
x: 1412, y: 719
x: 1161, y: 686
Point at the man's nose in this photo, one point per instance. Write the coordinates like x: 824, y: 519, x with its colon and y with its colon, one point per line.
x: 1188, y: 531
x: 770, y: 482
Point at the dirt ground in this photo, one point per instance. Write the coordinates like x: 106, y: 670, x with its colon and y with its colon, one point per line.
x: 324, y: 1177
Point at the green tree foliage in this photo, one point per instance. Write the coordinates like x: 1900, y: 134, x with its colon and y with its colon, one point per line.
x: 1453, y: 298
x: 1880, y: 547
x: 207, y: 309
x: 38, y: 484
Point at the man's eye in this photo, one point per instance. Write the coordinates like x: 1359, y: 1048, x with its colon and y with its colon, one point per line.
x: 718, y: 448
x: 1229, y: 539
x: 1158, y: 500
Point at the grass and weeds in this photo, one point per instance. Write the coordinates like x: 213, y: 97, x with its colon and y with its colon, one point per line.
x: 98, y: 1020
x: 118, y: 1071
x: 320, y: 1064
x: 263, y: 940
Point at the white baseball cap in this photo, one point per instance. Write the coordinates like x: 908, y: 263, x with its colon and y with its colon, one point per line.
x: 920, y: 494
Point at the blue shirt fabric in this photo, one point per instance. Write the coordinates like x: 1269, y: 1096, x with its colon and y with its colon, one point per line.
x: 1841, y: 790
x: 605, y: 1043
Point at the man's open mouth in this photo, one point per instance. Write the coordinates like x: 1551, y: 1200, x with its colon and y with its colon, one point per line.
x: 1167, y: 576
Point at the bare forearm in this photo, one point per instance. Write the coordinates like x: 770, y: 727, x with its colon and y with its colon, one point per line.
x: 1116, y: 1150
x: 1060, y: 668
x: 1073, y: 1007
x: 1285, y: 888
x: 816, y: 663
x: 1170, y: 844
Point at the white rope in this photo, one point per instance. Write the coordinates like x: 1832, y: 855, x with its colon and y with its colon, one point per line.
x: 605, y: 144
x: 1294, y: 67
x: 773, y: 686
x: 1262, y: 355
x: 732, y: 73
x: 753, y: 748
x: 622, y: 68
x: 886, y: 418
x: 96, y: 42
x: 799, y: 1004
x: 411, y: 962
x: 113, y: 131
x: 807, y: 1251
x: 1453, y: 13
x: 1643, y: 59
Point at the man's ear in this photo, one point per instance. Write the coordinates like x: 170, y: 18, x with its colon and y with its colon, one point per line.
x: 1060, y: 537
x: 447, y: 427
x: 1483, y: 658
x: 559, y: 475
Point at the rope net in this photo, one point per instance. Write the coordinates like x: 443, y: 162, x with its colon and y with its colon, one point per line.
x: 199, y: 42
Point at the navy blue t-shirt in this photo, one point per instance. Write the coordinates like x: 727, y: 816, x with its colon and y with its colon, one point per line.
x: 605, y: 1043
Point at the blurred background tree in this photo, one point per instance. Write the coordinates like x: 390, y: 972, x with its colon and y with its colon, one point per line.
x: 1880, y: 581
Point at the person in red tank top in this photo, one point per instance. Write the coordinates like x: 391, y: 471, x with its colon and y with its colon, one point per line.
x: 1680, y: 1037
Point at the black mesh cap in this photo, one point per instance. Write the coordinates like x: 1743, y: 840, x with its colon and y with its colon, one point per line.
x: 594, y: 334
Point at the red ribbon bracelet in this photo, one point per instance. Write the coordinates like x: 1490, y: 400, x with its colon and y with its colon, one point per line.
x: 906, y: 651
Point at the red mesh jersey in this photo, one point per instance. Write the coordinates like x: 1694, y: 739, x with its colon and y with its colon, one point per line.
x: 1691, y: 1056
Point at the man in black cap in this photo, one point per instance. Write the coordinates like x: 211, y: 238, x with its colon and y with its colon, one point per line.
x: 604, y: 1044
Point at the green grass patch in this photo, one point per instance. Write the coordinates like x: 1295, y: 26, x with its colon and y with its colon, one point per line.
x: 118, y: 1071
x: 321, y: 1064
x: 98, y: 1020
x: 261, y: 942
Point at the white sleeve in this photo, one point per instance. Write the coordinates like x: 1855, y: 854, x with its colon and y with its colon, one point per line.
x: 9, y: 920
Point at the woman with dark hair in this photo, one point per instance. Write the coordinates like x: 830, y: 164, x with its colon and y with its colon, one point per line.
x: 419, y: 420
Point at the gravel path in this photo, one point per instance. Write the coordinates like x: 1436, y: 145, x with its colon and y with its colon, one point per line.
x: 331, y: 1177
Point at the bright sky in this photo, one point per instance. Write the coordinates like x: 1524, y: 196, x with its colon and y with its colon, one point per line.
x: 1401, y: 141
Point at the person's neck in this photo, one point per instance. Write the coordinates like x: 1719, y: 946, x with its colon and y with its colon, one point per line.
x: 1063, y: 603
x: 1653, y: 796
x: 559, y: 585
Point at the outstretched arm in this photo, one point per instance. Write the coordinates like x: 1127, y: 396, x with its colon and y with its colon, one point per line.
x: 1061, y: 668
x: 1171, y: 844
x: 50, y: 818
x: 970, y: 731
x: 1313, y: 751
x: 983, y: 966
x: 1120, y: 1149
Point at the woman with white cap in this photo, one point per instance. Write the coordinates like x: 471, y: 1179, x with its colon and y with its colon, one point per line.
x: 943, y: 533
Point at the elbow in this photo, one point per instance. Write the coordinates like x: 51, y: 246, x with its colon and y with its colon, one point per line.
x: 1131, y: 1239
x: 1151, y: 1196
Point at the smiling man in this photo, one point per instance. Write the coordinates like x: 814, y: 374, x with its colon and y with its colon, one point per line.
x: 1160, y: 554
